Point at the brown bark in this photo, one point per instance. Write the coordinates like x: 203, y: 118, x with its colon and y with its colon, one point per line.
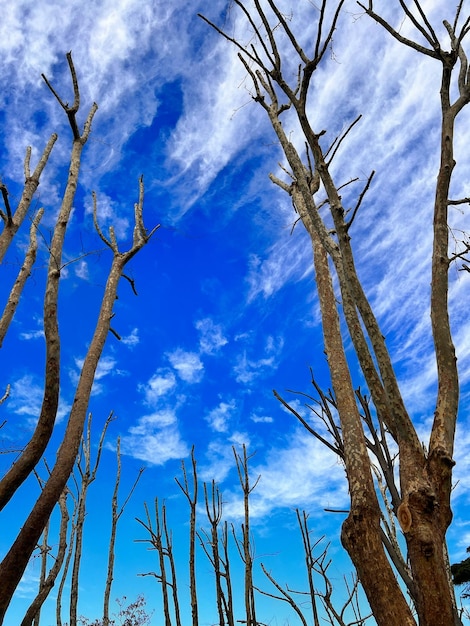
x: 36, y: 446
x: 23, y: 275
x: 422, y: 504
x: 15, y: 561
x: 360, y: 534
x: 12, y: 225
x: 49, y: 580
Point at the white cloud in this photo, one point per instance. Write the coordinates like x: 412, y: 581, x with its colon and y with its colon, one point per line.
x: 26, y: 396
x: 219, y: 460
x: 81, y: 270
x: 34, y: 334
x: 289, y: 258
x: 248, y: 369
x: 155, y: 438
x: 132, y: 339
x: 261, y: 419
x: 159, y: 419
x: 188, y: 365
x: 158, y: 386
x: 155, y: 449
x: 106, y: 367
x: 211, y: 336
x: 219, y: 418
x: 303, y: 474
x: 109, y: 214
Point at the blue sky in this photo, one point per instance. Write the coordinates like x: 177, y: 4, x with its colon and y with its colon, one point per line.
x: 226, y: 309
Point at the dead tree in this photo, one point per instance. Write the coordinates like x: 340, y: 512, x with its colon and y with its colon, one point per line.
x: 87, y: 475
x: 12, y: 220
x: 191, y: 496
x: 48, y: 579
x: 160, y: 540
x: 15, y: 560
x: 116, y: 514
x: 245, y: 546
x: 215, y: 545
x: 422, y: 505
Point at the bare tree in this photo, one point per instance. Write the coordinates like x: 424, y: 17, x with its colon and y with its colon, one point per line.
x: 116, y: 514
x: 422, y: 503
x: 69, y: 552
x: 48, y: 579
x: 244, y: 544
x: 192, y: 496
x: 12, y: 220
x: 87, y: 475
x: 338, y: 609
x: 160, y: 540
x: 215, y: 545
x: 17, y: 557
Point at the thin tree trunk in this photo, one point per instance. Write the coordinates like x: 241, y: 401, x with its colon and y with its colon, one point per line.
x: 116, y: 514
x: 15, y: 561
x: 192, y: 500
x: 49, y: 580
x: 31, y: 184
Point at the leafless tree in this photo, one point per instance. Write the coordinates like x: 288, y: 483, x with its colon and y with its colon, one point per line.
x: 422, y: 502
x: 192, y: 496
x: 215, y: 545
x: 244, y: 544
x: 226, y: 542
x: 15, y: 560
x: 87, y: 475
x: 116, y: 514
x: 48, y: 579
x: 160, y: 540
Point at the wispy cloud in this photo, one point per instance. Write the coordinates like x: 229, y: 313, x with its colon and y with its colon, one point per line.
x: 132, y: 339
x: 211, y: 338
x: 303, y: 474
x: 247, y: 369
x: 26, y: 395
x: 109, y: 214
x: 81, y: 270
x: 155, y: 438
x: 188, y: 365
x: 288, y: 259
x: 106, y: 367
x: 219, y: 418
x: 261, y: 419
x: 219, y: 460
x: 157, y: 387
x: 33, y: 334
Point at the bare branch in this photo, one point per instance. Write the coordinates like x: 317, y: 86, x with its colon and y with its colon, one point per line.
x: 404, y: 40
x: 23, y: 275
x: 339, y: 140
x: 360, y: 199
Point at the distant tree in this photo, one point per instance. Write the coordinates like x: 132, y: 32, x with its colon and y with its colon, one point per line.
x: 15, y: 560
x: 87, y: 475
x: 461, y: 571
x: 421, y: 502
x: 132, y: 614
x: 225, y: 543
x: 117, y: 511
